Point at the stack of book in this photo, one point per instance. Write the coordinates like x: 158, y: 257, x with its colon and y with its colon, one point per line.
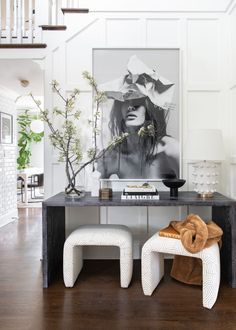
x: 145, y: 191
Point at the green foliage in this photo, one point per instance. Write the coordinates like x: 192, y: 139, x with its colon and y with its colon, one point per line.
x: 25, y: 139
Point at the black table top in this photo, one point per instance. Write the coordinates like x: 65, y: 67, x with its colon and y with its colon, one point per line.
x: 184, y: 198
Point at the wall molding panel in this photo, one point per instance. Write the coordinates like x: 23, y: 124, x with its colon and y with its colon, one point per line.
x: 232, y: 98
x: 170, y: 35
x: 203, y: 109
x: 187, y: 6
x: 203, y: 54
x: 123, y: 32
x: 233, y: 176
x: 231, y: 7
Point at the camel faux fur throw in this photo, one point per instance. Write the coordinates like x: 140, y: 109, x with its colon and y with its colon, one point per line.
x: 195, y: 235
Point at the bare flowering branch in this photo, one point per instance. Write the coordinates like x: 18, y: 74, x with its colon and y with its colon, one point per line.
x: 66, y: 138
x: 118, y: 140
x: 147, y: 131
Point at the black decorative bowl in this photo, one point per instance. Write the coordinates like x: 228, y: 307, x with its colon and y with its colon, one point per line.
x: 174, y: 185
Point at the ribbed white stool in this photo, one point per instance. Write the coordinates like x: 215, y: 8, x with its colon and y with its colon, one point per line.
x: 153, y: 265
x: 108, y: 235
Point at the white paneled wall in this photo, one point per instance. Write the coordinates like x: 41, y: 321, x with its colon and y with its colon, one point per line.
x: 199, y: 35
x: 232, y: 26
x: 164, y: 32
x: 123, y: 32
x: 232, y: 96
x: 203, y: 109
x: 157, y: 5
x: 203, y: 52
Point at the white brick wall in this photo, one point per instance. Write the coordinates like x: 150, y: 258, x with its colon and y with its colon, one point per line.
x: 8, y: 193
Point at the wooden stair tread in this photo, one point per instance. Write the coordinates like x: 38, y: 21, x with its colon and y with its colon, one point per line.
x: 53, y: 27
x: 74, y: 10
x: 23, y: 45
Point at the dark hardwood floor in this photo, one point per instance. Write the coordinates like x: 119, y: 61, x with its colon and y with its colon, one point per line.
x: 96, y: 301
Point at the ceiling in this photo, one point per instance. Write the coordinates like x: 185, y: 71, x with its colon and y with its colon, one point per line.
x: 12, y: 72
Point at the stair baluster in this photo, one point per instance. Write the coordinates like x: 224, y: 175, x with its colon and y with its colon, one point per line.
x: 20, y: 20
x: 30, y: 22
x: 8, y: 21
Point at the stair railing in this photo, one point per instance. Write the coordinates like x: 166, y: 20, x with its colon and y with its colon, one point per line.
x: 17, y: 21
x: 20, y: 19
x: 55, y: 16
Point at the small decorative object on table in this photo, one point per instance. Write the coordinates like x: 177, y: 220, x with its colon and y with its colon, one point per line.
x: 205, y: 149
x: 145, y: 191
x: 95, y: 182
x: 105, y: 193
x: 174, y: 185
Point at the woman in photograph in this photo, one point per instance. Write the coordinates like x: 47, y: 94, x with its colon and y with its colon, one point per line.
x: 141, y: 110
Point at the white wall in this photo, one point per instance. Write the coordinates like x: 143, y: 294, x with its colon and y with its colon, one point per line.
x: 156, y: 5
x: 202, y: 37
x: 232, y: 95
x: 8, y: 202
x: 202, y: 43
x: 37, y: 157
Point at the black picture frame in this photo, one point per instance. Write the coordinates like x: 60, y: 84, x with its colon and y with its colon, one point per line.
x: 109, y: 69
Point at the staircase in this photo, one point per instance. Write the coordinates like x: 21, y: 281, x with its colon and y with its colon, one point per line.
x: 22, y: 21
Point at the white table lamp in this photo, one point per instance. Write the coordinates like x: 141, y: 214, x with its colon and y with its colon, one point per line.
x: 205, y: 148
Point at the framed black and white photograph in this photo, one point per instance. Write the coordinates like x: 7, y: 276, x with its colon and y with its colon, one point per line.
x: 142, y: 107
x: 6, y: 129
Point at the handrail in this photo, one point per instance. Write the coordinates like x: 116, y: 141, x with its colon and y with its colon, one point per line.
x: 17, y: 21
x: 20, y: 19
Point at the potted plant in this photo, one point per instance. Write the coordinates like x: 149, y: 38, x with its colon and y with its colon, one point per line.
x: 67, y: 139
x: 25, y: 139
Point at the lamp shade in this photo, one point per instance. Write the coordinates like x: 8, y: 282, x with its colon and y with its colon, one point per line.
x: 37, y: 126
x: 204, y: 144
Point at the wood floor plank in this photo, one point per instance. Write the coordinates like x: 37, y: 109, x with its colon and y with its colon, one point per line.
x: 96, y: 301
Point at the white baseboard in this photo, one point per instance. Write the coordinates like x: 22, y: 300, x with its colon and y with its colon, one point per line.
x: 8, y: 217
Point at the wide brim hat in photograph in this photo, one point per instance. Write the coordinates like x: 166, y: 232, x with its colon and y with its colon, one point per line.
x: 140, y: 82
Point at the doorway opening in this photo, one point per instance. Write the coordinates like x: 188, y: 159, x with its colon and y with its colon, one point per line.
x: 23, y: 152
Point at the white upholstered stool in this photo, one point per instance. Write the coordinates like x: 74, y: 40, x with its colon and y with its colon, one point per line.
x: 109, y: 235
x: 153, y: 265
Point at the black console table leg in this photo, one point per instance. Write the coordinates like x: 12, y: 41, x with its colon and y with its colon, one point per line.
x: 53, y: 242
x: 224, y: 216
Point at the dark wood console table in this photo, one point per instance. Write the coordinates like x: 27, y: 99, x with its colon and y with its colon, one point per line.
x: 223, y: 213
